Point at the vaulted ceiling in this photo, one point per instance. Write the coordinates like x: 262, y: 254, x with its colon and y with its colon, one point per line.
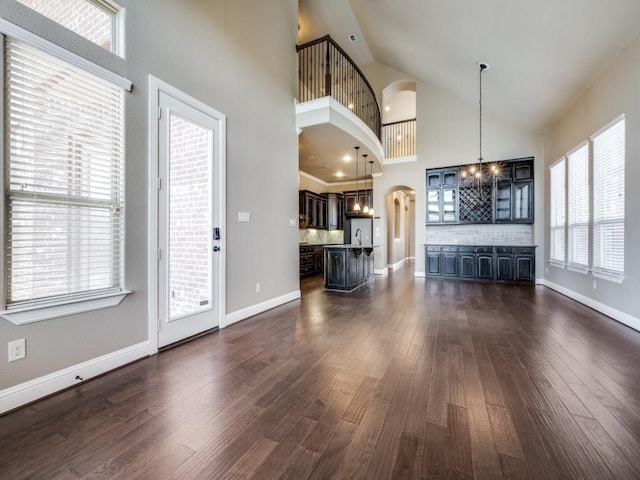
x: 542, y: 53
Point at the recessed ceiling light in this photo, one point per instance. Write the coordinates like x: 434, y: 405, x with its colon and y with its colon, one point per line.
x: 346, y: 158
x: 339, y: 174
x: 311, y: 157
x: 386, y: 109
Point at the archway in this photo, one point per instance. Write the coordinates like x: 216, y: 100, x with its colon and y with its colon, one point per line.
x: 400, y: 226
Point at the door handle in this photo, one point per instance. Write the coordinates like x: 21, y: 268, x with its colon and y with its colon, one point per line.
x: 216, y: 248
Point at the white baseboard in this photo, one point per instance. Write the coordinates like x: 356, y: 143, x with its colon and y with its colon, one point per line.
x: 14, y: 397
x: 624, y: 318
x: 420, y: 274
x: 398, y: 265
x: 244, y: 313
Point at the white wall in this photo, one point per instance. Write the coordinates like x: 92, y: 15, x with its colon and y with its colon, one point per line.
x: 239, y: 58
x: 616, y: 91
x: 447, y: 134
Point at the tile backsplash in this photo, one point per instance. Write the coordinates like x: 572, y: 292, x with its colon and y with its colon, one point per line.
x: 320, y: 237
x: 507, y: 234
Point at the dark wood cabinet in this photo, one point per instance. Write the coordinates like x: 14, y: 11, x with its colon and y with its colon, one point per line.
x: 466, y: 262
x: 497, y: 263
x: 442, y: 195
x: 433, y: 262
x: 347, y: 267
x: 312, y: 210
x: 335, y: 211
x: 506, y: 199
x: 364, y: 197
x: 311, y: 260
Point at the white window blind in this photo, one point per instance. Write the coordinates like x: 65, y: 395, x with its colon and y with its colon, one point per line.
x: 65, y: 205
x: 558, y: 212
x: 609, y: 199
x: 578, y: 206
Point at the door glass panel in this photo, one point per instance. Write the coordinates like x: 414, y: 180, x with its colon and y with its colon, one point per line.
x: 189, y: 217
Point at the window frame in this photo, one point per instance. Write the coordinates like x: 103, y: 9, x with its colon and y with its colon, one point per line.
x: 23, y: 314
x: 572, y: 227
x: 116, y: 13
x: 598, y: 271
x: 558, y: 226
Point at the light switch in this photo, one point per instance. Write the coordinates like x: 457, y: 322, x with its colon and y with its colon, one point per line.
x: 244, y: 217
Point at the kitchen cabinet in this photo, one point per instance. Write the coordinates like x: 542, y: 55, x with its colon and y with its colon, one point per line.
x: 507, y: 199
x: 311, y: 260
x: 335, y: 211
x: 365, y: 197
x: 347, y: 267
x: 442, y: 195
x: 495, y: 263
x: 312, y: 210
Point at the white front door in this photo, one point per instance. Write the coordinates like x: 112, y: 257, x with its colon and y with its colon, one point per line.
x: 188, y: 219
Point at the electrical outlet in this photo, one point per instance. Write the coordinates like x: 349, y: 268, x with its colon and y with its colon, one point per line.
x: 17, y: 350
x: 258, y: 287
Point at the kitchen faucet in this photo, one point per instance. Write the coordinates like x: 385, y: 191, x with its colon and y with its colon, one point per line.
x: 358, y: 235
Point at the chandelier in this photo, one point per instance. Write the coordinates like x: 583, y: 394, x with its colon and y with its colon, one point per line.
x: 479, y: 173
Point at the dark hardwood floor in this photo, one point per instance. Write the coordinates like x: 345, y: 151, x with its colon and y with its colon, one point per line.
x: 404, y: 378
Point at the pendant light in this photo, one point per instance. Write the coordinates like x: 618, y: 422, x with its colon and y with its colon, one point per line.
x: 366, y: 205
x: 474, y: 173
x: 356, y: 207
x: 371, y: 212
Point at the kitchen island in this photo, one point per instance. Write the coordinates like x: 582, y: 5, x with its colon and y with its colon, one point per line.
x: 347, y: 267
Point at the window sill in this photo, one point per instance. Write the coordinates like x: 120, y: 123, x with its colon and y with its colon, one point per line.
x: 557, y: 264
x: 31, y: 314
x: 612, y: 277
x: 578, y: 269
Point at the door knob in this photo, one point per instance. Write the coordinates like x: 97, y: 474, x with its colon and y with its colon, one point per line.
x: 216, y: 248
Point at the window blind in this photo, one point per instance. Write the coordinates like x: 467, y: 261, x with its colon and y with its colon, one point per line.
x: 578, y: 206
x: 609, y: 198
x: 65, y: 207
x: 558, y: 212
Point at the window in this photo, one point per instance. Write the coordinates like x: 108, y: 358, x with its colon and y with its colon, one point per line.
x: 558, y: 211
x: 578, y: 207
x: 602, y: 225
x: 608, y: 199
x: 95, y: 20
x: 65, y: 180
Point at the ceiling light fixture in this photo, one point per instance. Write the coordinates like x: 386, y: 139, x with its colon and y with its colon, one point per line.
x: 475, y: 173
x: 366, y: 205
x: 356, y: 207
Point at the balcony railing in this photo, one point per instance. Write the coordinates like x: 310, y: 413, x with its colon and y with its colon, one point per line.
x: 399, y: 138
x: 325, y: 69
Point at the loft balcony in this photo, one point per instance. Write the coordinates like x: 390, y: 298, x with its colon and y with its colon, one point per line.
x: 336, y: 109
x: 399, y: 141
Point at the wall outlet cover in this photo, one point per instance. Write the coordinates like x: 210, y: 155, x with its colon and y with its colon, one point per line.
x: 17, y: 350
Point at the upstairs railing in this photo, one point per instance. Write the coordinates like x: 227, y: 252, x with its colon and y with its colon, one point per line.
x: 325, y: 69
x: 399, y: 138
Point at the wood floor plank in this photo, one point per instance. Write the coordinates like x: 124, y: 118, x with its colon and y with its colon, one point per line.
x: 403, y: 378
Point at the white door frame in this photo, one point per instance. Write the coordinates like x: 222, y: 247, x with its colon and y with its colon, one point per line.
x: 155, y: 87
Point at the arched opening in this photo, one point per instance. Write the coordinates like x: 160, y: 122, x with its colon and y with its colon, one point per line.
x: 399, y: 119
x: 400, y: 225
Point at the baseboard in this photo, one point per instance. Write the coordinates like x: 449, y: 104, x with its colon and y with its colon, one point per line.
x: 398, y: 265
x: 27, y: 392
x: 244, y: 313
x: 420, y: 274
x: 381, y: 271
x: 624, y: 318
